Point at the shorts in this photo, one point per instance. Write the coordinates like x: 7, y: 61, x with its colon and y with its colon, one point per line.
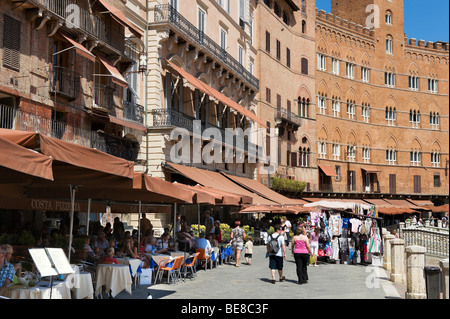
x: 276, y: 262
x: 248, y: 255
x: 314, y: 248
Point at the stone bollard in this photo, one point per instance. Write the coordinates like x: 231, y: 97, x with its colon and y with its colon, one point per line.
x: 427, y: 223
x: 444, y: 268
x: 398, y: 261
x: 408, y: 223
x: 387, y: 251
x: 415, y: 273
x: 401, y: 226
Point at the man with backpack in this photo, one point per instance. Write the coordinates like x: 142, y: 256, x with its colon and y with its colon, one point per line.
x: 276, y: 251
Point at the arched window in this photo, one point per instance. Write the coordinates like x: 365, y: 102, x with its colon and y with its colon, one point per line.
x: 389, y: 44
x: 388, y: 17
x: 304, y: 65
x: 303, y: 26
x: 276, y: 9
x: 303, y: 105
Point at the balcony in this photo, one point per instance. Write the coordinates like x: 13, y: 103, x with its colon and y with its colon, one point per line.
x: 133, y: 112
x: 103, y: 97
x: 90, y: 24
x: 15, y: 119
x: 65, y: 83
x: 167, y: 15
x: 170, y: 118
x: 288, y: 118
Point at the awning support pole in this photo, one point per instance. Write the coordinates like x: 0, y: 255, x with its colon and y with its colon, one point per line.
x: 88, y: 216
x: 73, y: 190
x: 139, y: 224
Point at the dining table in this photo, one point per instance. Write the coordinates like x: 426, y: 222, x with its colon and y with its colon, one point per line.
x: 42, y: 290
x: 115, y: 277
x: 133, y: 264
x: 81, y: 285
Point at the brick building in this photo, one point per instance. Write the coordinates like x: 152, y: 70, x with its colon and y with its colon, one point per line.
x: 381, y: 105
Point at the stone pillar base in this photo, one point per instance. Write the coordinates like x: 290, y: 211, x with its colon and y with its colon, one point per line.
x: 398, y: 278
x: 410, y: 295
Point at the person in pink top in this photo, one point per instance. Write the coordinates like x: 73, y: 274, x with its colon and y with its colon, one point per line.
x: 301, y: 250
x: 315, y: 243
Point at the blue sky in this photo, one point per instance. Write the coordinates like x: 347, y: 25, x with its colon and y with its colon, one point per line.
x: 426, y: 20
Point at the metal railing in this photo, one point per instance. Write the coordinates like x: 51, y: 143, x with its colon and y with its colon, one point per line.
x: 173, y: 118
x: 167, y: 14
x: 65, y: 82
x: 16, y: 119
x: 133, y: 112
x: 289, y: 116
x: 436, y: 243
x: 88, y: 22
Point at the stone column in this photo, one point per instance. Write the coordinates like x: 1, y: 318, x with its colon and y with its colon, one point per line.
x: 439, y: 223
x: 398, y: 261
x: 444, y: 268
x: 415, y: 274
x: 427, y: 223
x: 401, y: 226
x: 387, y: 251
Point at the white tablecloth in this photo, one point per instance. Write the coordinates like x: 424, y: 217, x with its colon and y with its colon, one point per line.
x: 115, y: 277
x: 82, y: 287
x: 132, y: 262
x: 158, y: 258
x: 41, y: 291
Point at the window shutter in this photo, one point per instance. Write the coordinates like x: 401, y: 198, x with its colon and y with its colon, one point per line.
x: 304, y: 66
x: 267, y: 41
x: 392, y: 184
x: 288, y: 57
x: 417, y: 186
x: 294, y: 159
x: 11, y: 43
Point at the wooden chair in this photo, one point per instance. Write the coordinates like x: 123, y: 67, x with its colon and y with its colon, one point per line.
x: 202, y: 258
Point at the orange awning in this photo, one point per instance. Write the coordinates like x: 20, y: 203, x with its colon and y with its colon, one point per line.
x: 328, y: 170
x: 205, y: 88
x: 126, y: 123
x: 371, y: 170
x: 226, y: 197
x: 438, y: 209
x: 80, y: 49
x: 217, y: 181
x: 116, y: 76
x: 120, y: 17
x: 264, y: 191
x: 17, y: 163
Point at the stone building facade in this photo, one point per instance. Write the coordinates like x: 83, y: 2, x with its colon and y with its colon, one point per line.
x: 381, y: 104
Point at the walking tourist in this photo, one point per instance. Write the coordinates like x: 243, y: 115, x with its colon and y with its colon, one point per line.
x: 286, y: 225
x: 248, y: 253
x: 314, y: 243
x: 209, y: 223
x: 301, y: 250
x: 237, y: 238
x: 276, y: 251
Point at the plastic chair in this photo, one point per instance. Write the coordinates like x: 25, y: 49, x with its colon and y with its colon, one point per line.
x: 202, y: 257
x: 173, y: 271
x: 190, y: 264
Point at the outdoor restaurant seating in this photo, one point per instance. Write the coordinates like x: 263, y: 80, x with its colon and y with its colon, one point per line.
x: 202, y: 258
x: 173, y: 270
x: 189, y: 264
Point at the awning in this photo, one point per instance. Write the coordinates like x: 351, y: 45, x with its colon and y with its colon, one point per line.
x: 201, y: 196
x: 328, y: 170
x: 80, y: 49
x: 401, y: 203
x: 395, y: 211
x: 117, y: 78
x: 18, y: 163
x: 75, y: 155
x: 264, y: 191
x: 126, y: 123
x: 274, y: 209
x: 420, y: 202
x: 371, y: 170
x: 217, y: 181
x: 438, y: 209
x: 120, y: 17
x: 226, y: 197
x: 216, y: 94
x: 378, y: 202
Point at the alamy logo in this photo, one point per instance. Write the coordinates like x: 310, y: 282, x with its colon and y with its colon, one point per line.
x: 373, y: 19
x: 214, y: 145
x: 73, y: 19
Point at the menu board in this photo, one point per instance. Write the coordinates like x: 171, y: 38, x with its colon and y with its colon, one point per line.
x: 51, y: 261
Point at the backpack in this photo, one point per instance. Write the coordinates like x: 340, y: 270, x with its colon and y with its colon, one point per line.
x: 273, y: 245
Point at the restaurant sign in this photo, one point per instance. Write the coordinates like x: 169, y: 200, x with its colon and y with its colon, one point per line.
x: 50, y: 205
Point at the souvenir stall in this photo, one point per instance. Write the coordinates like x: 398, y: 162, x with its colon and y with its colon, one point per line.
x: 350, y: 233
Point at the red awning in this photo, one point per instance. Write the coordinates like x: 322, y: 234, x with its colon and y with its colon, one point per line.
x: 80, y: 49
x: 328, y: 170
x: 205, y: 88
x: 116, y: 76
x: 371, y: 170
x: 126, y: 123
x: 120, y: 17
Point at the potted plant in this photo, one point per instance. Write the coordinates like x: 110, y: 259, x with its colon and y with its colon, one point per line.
x: 79, y: 244
x: 22, y: 243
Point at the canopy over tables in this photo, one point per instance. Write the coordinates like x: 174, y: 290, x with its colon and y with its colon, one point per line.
x: 275, y: 209
x: 337, y: 205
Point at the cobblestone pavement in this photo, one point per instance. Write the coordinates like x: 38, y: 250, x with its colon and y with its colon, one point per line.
x: 327, y: 281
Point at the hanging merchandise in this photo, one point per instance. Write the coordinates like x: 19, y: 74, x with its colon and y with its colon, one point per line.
x: 375, y: 244
x: 335, y: 224
x: 373, y: 211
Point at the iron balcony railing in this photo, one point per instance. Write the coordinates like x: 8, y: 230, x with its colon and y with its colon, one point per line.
x: 88, y: 22
x: 15, y: 119
x: 65, y: 82
x: 166, y: 14
x: 133, y: 112
x: 173, y: 118
x: 289, y: 117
